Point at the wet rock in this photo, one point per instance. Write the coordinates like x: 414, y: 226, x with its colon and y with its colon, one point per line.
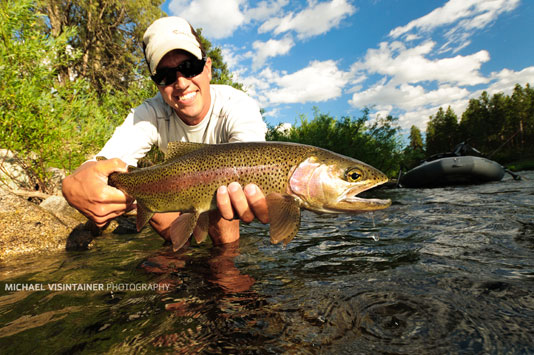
x: 28, y: 228
x: 59, y: 207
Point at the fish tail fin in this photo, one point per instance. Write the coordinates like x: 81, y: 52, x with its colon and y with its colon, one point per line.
x: 182, y: 228
x: 143, y: 215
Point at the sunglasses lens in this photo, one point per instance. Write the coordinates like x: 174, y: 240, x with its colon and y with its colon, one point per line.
x: 189, y: 69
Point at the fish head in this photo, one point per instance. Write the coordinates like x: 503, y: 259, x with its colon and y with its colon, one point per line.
x: 329, y: 182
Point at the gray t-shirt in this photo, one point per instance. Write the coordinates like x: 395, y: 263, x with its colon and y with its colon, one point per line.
x: 233, y: 117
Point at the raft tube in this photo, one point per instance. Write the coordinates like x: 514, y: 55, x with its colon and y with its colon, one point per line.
x: 459, y: 170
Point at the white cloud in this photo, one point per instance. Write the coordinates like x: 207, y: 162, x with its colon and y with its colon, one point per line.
x: 319, y: 18
x: 216, y: 21
x: 264, y: 10
x: 270, y: 48
x: 406, y: 97
x: 506, y: 79
x: 420, y: 116
x: 465, y: 16
x: 320, y: 81
x: 411, y: 65
x: 470, y: 14
x: 221, y: 18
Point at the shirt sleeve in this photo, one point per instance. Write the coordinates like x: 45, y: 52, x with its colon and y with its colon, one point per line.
x: 134, y: 137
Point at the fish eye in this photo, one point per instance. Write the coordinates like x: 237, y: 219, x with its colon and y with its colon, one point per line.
x: 353, y: 175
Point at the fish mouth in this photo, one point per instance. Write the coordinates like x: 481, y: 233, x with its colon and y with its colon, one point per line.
x: 367, y: 204
x: 352, y: 201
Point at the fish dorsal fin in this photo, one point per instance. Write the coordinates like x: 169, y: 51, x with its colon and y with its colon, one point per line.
x: 284, y: 217
x: 177, y: 149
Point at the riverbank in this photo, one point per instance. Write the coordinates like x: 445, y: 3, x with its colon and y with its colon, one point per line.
x: 32, y: 222
x: 521, y: 165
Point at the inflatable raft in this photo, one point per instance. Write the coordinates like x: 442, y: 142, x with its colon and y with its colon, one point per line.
x: 453, y: 169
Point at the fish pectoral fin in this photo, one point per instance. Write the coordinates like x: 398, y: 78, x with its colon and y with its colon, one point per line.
x: 182, y: 228
x: 143, y: 215
x: 284, y: 217
x: 201, y: 230
x: 177, y: 149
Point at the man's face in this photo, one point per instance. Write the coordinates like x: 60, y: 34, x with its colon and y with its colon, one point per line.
x: 190, y: 98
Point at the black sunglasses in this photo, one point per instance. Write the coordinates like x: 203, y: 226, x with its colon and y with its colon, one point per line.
x: 188, y: 68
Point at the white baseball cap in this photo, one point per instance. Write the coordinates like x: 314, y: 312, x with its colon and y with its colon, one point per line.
x: 166, y: 34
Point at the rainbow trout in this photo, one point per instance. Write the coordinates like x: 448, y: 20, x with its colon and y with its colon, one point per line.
x: 292, y: 176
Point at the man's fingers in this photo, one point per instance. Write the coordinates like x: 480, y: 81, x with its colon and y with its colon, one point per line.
x: 240, y: 203
x: 257, y: 202
x: 112, y: 195
x: 103, y: 213
x: 109, y: 166
x: 223, y: 203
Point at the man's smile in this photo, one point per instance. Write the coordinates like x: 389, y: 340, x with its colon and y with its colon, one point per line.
x: 188, y: 96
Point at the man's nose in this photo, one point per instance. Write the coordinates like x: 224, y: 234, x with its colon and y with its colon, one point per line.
x: 181, y: 80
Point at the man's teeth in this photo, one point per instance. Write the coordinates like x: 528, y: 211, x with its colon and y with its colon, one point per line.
x: 188, y: 96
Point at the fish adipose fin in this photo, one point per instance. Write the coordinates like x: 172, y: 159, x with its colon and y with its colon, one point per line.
x: 143, y: 215
x: 284, y: 217
x: 182, y: 228
x: 201, y: 230
x: 177, y: 149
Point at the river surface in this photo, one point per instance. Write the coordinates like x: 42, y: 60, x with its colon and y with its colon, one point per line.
x: 448, y: 270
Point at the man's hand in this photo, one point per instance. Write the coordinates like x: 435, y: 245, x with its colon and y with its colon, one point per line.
x: 245, y: 204
x: 88, y: 191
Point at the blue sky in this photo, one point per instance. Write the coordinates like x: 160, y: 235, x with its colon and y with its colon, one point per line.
x: 406, y: 58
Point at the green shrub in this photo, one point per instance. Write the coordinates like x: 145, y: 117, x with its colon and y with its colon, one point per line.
x: 45, y: 122
x: 375, y: 143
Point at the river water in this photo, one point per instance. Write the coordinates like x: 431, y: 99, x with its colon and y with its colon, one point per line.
x: 448, y: 270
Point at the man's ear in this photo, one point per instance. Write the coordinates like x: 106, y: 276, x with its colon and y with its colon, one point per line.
x: 208, y: 67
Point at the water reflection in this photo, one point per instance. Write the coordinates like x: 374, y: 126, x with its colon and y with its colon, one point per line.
x: 222, y: 269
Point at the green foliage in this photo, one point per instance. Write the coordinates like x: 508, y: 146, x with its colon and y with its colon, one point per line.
x: 108, y: 37
x: 47, y: 122
x: 442, y: 132
x: 375, y: 143
x: 500, y: 126
x: 414, y: 151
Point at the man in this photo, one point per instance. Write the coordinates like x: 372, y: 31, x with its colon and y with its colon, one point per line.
x: 188, y: 109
